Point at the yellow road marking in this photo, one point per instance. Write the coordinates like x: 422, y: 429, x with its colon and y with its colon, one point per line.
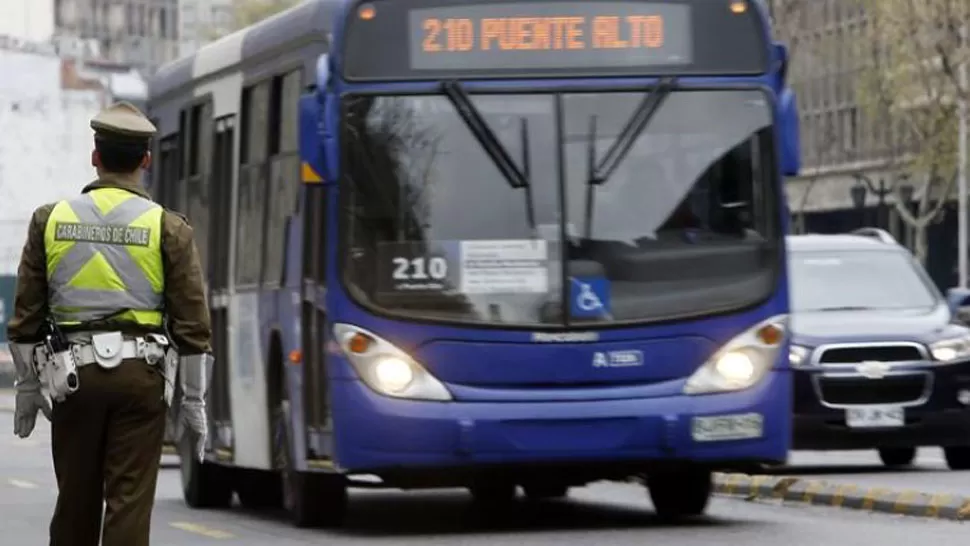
x: 201, y: 530
x: 23, y: 484
x: 903, y: 500
x: 936, y: 502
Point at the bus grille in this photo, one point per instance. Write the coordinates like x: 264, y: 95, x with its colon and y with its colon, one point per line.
x: 857, y: 391
x: 879, y: 353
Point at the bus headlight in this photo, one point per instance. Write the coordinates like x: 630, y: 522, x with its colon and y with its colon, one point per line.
x: 742, y: 362
x: 949, y: 350
x: 387, y: 369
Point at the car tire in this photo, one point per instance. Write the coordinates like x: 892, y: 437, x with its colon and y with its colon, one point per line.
x: 681, y: 493
x: 957, y: 457
x: 895, y: 457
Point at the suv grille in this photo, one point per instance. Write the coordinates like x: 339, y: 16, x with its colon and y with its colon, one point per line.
x: 880, y: 353
x: 897, y: 389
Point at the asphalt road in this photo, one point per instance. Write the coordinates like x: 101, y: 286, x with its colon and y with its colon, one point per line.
x: 602, y: 515
x: 929, y: 474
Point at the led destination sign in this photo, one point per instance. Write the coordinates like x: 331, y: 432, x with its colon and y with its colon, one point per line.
x: 550, y: 35
x: 418, y: 39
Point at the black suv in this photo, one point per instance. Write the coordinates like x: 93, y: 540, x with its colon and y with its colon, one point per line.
x: 879, y: 358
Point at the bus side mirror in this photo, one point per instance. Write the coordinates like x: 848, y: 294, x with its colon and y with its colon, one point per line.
x: 788, y: 132
x: 959, y: 301
x: 325, y: 117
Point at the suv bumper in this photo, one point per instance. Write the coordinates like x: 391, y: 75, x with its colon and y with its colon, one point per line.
x: 936, y: 417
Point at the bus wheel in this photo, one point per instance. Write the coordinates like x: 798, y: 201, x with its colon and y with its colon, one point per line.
x: 681, y: 493
x: 311, y: 499
x: 259, y: 489
x: 204, y: 485
x: 545, y: 491
x: 493, y: 494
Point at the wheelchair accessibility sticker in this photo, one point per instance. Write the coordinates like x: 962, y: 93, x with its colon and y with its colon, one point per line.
x: 589, y: 297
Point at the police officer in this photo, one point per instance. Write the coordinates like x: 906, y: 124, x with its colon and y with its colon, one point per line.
x: 109, y: 288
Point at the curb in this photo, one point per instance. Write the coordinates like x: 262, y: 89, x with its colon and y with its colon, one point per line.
x: 821, y: 493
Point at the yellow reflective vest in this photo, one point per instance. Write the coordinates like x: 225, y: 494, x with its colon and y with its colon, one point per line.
x: 104, y: 258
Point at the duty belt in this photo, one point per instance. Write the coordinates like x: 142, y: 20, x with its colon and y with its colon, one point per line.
x: 87, y: 350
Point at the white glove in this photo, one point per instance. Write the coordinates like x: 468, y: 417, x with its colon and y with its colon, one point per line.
x: 30, y: 399
x: 193, y: 378
x: 196, y: 424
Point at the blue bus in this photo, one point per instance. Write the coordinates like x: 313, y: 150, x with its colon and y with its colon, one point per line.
x: 489, y: 245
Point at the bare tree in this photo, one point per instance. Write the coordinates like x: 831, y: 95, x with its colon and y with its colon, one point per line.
x: 910, y: 86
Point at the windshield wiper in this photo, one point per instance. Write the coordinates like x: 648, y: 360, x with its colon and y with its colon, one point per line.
x: 527, y: 174
x: 483, y: 133
x: 634, y: 127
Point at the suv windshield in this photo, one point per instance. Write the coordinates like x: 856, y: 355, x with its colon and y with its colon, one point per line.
x: 684, y: 224
x: 845, y: 281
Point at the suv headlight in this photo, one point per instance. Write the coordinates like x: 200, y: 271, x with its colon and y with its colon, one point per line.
x: 385, y: 368
x: 797, y: 355
x: 949, y: 350
x: 743, y: 361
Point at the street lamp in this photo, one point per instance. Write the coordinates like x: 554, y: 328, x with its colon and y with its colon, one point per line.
x: 864, y: 185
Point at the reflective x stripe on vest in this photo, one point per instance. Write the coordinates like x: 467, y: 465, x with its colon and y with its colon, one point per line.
x: 104, y: 256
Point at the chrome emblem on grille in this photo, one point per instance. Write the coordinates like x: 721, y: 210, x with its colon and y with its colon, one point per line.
x: 873, y: 369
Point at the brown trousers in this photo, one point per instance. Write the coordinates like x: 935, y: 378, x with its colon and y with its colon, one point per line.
x: 106, y: 443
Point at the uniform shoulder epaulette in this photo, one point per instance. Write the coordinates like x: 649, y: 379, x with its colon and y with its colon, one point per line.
x: 176, y: 213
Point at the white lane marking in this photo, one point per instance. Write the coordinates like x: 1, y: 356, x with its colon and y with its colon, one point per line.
x: 201, y: 530
x: 23, y: 484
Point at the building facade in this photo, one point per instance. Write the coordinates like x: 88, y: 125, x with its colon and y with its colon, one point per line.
x: 851, y: 155
x: 31, y: 20
x: 201, y: 21
x: 140, y: 33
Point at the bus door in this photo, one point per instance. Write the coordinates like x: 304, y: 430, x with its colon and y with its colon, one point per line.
x: 313, y: 307
x: 220, y: 236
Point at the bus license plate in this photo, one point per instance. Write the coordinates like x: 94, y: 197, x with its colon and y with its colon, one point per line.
x: 727, y: 427
x: 875, y: 417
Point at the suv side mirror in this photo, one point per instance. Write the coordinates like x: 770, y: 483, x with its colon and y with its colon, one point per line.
x: 959, y: 301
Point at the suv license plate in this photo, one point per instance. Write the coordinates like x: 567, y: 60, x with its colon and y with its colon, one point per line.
x: 875, y: 417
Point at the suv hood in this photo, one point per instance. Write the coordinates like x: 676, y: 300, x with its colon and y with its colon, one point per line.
x: 920, y: 324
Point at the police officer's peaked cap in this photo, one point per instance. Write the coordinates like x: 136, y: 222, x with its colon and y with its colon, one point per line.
x: 123, y: 120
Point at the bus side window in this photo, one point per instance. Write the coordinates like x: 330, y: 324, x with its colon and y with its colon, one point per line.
x: 252, y: 184
x: 284, y: 173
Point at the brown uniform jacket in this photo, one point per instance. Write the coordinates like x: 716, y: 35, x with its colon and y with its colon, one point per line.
x: 186, y: 305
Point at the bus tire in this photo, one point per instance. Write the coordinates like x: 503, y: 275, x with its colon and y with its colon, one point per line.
x: 311, y: 499
x: 545, y: 491
x: 493, y: 494
x: 680, y: 494
x: 259, y: 489
x: 204, y: 485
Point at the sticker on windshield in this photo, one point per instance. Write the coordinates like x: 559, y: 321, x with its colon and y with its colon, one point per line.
x: 505, y: 267
x: 589, y: 297
x: 466, y: 267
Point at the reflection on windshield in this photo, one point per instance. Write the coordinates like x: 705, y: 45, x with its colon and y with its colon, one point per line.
x: 846, y: 281
x: 686, y: 224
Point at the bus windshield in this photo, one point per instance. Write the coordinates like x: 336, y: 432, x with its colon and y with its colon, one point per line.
x: 685, y: 223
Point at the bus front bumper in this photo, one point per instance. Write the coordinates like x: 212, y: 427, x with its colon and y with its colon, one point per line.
x: 375, y: 433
